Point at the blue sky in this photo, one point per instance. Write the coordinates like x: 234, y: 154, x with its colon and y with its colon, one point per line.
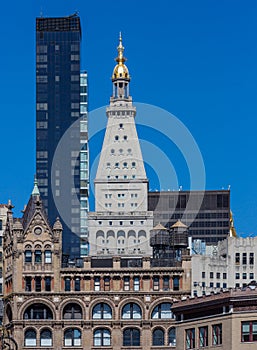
x: 196, y: 59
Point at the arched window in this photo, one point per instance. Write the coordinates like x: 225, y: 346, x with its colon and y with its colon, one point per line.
x: 72, y: 312
x: 131, y: 337
x: 30, y: 338
x: 102, y: 337
x: 131, y: 311
x: 102, y: 311
x: 72, y: 337
x: 172, y: 337
x: 158, y: 337
x: 163, y: 311
x: 38, y: 312
x: 46, y: 338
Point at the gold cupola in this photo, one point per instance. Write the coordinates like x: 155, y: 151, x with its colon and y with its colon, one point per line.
x: 120, y: 70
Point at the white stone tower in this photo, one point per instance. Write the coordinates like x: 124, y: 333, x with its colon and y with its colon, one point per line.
x: 121, y: 223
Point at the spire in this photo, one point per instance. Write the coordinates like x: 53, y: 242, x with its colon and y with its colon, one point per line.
x: 120, y: 70
x: 35, y: 191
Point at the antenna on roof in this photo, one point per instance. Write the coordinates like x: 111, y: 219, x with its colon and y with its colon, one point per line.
x: 41, y: 12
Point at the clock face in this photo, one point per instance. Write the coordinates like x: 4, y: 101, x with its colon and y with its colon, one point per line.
x: 37, y: 230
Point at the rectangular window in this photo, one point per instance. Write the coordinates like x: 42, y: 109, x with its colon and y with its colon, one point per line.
x: 28, y: 284
x: 224, y: 285
x: 218, y: 275
x: 28, y: 256
x: 156, y: 283
x: 190, y: 338
x: 203, y: 274
x: 251, y: 258
x: 237, y: 275
x: 203, y: 337
x: 224, y: 275
x: 237, y: 258
x: 38, y: 284
x: 211, y: 274
x: 251, y: 276
x: 211, y: 285
x: 67, y: 284
x: 244, y: 275
x: 244, y: 261
x: 217, y: 334
x: 77, y: 284
x: 48, y: 284
x: 1, y: 224
x: 38, y: 256
x: 48, y: 257
x: 126, y: 283
x: 249, y: 331
x: 166, y: 283
x: 97, y: 284
x: 136, y: 284
x: 107, y: 283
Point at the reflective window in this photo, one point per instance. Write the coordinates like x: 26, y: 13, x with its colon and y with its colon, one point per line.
x: 46, y: 338
x: 102, y: 311
x: 72, y: 337
x: 38, y: 311
x: 172, y: 337
x: 48, y: 257
x: 162, y: 311
x: 30, y: 338
x: 102, y: 337
x: 28, y: 256
x: 131, y: 311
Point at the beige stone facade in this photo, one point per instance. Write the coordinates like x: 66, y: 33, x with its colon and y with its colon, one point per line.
x: 98, y: 303
x: 226, y: 321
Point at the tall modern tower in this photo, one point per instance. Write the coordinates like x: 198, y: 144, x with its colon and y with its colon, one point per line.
x: 57, y: 108
x: 121, y: 223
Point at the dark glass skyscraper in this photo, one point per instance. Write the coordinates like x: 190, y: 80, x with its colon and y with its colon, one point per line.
x: 57, y: 108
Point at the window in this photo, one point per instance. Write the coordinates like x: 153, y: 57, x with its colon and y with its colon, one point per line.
x: 249, y: 331
x: 131, y: 337
x: 102, y: 337
x: 158, y: 337
x: 38, y: 312
x: 28, y: 256
x: 1, y: 224
x: 72, y: 312
x: 176, y: 283
x: 48, y: 284
x: 251, y: 276
x: 218, y: 275
x: 244, y: 261
x: 38, y: 284
x: 97, y: 284
x: 30, y: 338
x: 126, y: 283
x: 237, y: 275
x: 237, y: 258
x: 217, y: 334
x: 48, y: 257
x: 244, y: 275
x: 190, y: 338
x: 224, y: 275
x: 203, y: 337
x: 136, y: 284
x: 38, y: 256
x: 131, y: 311
x: 251, y: 258
x: 162, y: 311
x: 211, y: 274
x: 102, y: 311
x: 106, y: 283
x: 172, y: 337
x: 28, y: 284
x: 67, y: 284
x: 166, y: 283
x: 45, y: 337
x: 77, y: 284
x: 72, y: 337
x: 156, y: 283
x: 203, y: 274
